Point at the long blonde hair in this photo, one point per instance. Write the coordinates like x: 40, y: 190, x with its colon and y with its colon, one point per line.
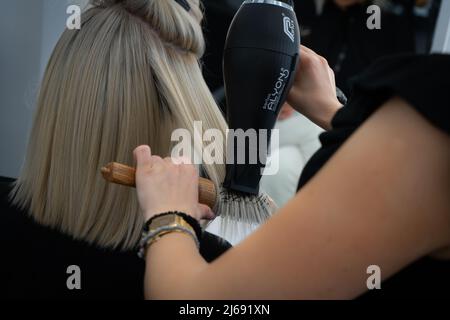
x: 128, y: 77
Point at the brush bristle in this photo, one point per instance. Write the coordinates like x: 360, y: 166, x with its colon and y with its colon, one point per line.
x: 238, y: 207
x: 242, y: 213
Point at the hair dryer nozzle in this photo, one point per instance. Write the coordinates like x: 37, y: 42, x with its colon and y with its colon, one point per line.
x: 260, y: 60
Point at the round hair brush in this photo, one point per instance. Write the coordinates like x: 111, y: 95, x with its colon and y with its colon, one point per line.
x: 124, y: 175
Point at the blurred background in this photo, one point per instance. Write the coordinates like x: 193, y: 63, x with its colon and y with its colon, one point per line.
x: 336, y: 29
x: 29, y: 30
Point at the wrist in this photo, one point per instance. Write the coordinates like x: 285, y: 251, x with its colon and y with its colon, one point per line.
x: 327, y: 112
x: 319, y: 109
x: 181, y: 239
x: 149, y: 214
x: 162, y: 224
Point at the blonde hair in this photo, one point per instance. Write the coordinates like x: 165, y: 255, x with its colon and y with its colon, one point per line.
x: 128, y: 77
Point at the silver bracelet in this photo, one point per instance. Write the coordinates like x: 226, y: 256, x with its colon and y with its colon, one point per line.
x: 146, y: 237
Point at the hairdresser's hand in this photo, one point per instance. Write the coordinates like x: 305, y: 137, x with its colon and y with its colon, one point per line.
x: 314, y: 91
x: 164, y: 186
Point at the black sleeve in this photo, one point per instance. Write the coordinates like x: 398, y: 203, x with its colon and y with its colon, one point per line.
x: 421, y: 80
x: 212, y: 246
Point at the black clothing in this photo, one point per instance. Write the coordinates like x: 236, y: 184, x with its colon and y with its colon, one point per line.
x: 35, y: 259
x: 218, y: 16
x: 342, y: 37
x: 423, y: 82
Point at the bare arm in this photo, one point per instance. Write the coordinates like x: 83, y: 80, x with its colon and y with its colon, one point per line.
x: 382, y: 199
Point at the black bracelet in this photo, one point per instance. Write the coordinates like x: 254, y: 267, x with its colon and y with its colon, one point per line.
x: 190, y: 220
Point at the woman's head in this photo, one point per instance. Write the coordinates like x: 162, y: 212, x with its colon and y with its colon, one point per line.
x: 129, y: 76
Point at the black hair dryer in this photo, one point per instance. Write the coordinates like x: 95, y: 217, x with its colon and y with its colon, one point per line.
x: 260, y: 59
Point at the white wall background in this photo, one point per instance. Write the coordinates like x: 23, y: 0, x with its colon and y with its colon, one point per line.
x: 442, y: 33
x: 29, y: 29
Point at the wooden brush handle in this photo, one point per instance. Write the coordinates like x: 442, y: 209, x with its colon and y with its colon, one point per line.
x: 125, y: 175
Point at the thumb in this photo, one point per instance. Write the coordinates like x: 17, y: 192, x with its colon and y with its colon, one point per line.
x: 143, y: 156
x: 205, y: 212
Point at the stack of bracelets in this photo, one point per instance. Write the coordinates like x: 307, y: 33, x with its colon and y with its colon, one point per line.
x: 165, y: 223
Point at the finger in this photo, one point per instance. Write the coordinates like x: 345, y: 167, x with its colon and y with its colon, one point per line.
x: 308, y: 51
x: 311, y: 54
x: 205, y: 212
x: 169, y: 160
x: 181, y: 160
x: 143, y: 156
x: 172, y: 162
x: 157, y: 163
x: 332, y: 76
x: 308, y: 57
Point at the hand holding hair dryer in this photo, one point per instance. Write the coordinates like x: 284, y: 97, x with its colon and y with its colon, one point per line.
x: 260, y: 59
